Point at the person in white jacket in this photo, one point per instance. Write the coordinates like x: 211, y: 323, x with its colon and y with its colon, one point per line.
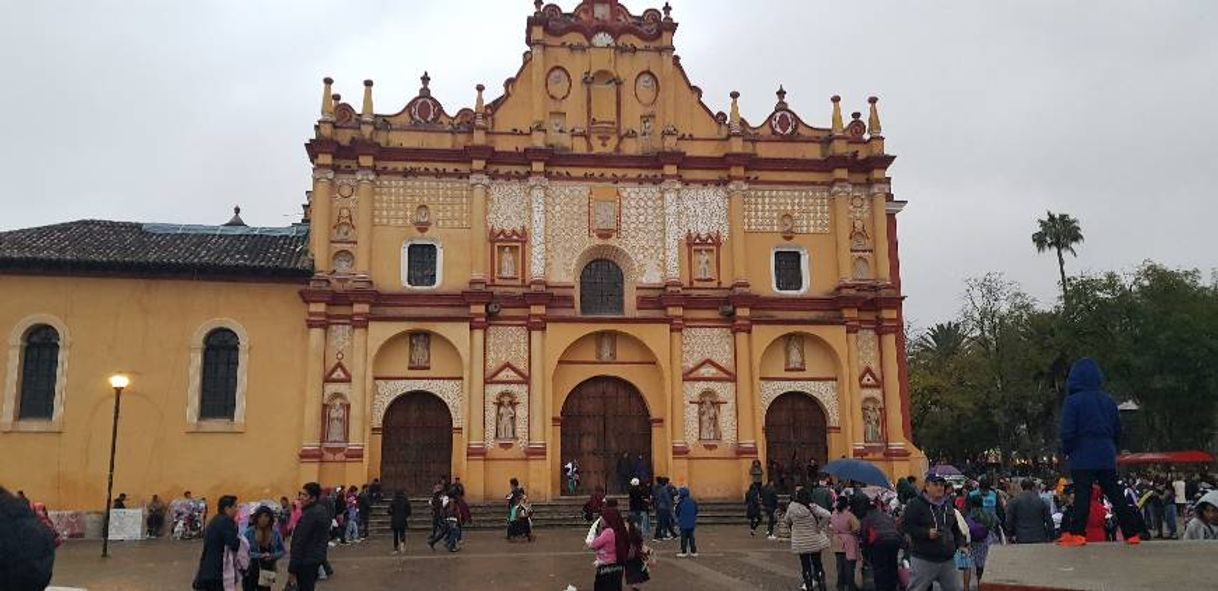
x: 807, y: 521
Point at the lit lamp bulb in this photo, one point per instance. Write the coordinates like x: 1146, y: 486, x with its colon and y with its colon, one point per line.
x: 119, y: 381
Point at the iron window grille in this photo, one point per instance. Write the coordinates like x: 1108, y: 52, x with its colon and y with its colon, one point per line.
x: 218, y: 395
x: 39, y: 366
x: 601, y: 289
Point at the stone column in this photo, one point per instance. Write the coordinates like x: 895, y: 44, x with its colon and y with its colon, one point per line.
x: 747, y: 399
x: 737, y: 191
x: 893, y: 419
x: 537, y: 237
x: 320, y: 216
x: 676, y: 411
x: 475, y: 418
x: 363, y: 228
x: 478, y: 230
x: 361, y: 395
x: 310, y: 448
x: 672, y: 231
x: 538, y: 422
x: 851, y: 394
x: 879, y: 224
x: 841, y: 230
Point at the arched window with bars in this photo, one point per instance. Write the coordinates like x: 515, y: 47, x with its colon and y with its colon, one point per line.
x: 218, y: 391
x: 601, y: 289
x: 39, y: 371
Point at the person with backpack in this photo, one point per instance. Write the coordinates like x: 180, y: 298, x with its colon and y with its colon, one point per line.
x: 845, y: 527
x: 399, y: 515
x: 769, y: 502
x: 981, y: 526
x: 991, y: 501
x: 687, y: 520
x: 882, y: 541
x: 807, y: 522
x: 752, y: 507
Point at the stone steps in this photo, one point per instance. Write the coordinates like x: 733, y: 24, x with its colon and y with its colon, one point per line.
x: 563, y: 512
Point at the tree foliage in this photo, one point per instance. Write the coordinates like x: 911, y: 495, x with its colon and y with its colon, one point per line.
x: 993, y: 379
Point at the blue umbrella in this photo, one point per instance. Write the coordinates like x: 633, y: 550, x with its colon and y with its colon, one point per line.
x: 946, y: 470
x: 859, y: 471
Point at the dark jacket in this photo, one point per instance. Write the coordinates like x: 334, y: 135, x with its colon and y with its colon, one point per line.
x: 27, y: 550
x: 310, y: 540
x: 920, y: 516
x: 1091, y: 425
x: 221, y: 533
x: 1028, y: 519
x: 399, y: 512
x: 662, y: 498
x: 687, y: 510
x: 769, y: 498
x: 639, y: 498
x: 905, y: 491
x: 752, y: 502
x: 824, y: 497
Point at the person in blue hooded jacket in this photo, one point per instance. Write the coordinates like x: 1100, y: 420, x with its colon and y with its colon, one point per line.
x: 1091, y: 432
x: 687, y: 520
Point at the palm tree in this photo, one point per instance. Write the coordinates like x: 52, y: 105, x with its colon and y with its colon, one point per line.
x: 942, y: 341
x: 1058, y: 232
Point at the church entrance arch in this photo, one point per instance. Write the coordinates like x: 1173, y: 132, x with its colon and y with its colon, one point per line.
x: 796, y: 431
x: 416, y: 443
x: 604, y: 419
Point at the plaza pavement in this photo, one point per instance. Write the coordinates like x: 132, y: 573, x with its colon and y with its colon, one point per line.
x: 729, y: 559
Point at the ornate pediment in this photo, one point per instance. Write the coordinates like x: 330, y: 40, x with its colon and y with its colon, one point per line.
x: 603, y: 22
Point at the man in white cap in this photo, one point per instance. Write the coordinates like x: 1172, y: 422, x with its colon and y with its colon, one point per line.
x: 640, y: 504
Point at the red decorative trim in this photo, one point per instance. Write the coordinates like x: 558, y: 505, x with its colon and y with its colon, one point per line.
x: 709, y: 445
x: 742, y: 325
x: 726, y: 375
x: 475, y: 450
x: 519, y: 377
x: 746, y: 450
x: 309, y: 454
x: 535, y: 449
x: 897, y: 453
x: 457, y: 430
x: 418, y: 377
x: 833, y: 429
x: 868, y: 379
x: 536, y: 323
x: 556, y: 421
x: 798, y: 379
x: 338, y: 374
x: 679, y: 449
x: 593, y: 362
x: 376, y: 430
x: 657, y: 421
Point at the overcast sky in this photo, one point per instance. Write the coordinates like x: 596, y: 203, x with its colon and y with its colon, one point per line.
x: 997, y: 111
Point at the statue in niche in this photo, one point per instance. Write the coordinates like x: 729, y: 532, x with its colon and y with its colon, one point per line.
x: 507, y: 262
x: 859, y: 239
x: 606, y: 347
x: 708, y: 418
x: 422, y: 215
x: 505, y: 418
x: 604, y: 215
x: 872, y: 432
x: 795, y: 352
x: 704, y: 264
x: 862, y: 269
x: 336, y: 421
x: 420, y: 350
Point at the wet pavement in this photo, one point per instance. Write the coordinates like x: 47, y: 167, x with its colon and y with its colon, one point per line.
x: 729, y: 559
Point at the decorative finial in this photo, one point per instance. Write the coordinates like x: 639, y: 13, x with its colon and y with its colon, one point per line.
x: 335, y: 99
x: 734, y: 117
x: 236, y: 219
x: 537, y: 4
x: 367, y: 112
x: 479, y: 105
x: 838, y: 127
x: 327, y: 106
x: 667, y: 11
x: 782, y: 97
x: 873, y: 121
x: 426, y: 80
x: 856, y: 115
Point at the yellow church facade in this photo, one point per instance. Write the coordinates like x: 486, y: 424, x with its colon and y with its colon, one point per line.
x: 592, y: 267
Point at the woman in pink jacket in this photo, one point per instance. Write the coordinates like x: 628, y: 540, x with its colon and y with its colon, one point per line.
x: 845, y: 528
x: 608, y: 538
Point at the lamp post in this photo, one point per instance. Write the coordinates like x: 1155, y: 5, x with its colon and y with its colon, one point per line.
x: 118, y: 381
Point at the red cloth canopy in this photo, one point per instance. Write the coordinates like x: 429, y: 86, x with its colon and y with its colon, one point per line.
x: 1168, y: 457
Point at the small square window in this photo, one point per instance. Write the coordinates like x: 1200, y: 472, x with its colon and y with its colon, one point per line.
x: 421, y: 260
x: 788, y: 270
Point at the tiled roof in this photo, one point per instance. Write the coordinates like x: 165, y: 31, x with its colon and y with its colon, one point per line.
x: 98, y: 246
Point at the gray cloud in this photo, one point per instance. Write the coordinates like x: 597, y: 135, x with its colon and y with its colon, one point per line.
x: 174, y: 111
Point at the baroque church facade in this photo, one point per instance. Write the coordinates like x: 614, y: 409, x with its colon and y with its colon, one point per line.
x: 593, y: 266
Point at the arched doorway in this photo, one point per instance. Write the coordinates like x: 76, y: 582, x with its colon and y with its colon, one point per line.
x: 416, y: 443
x: 795, y: 431
x: 603, y: 418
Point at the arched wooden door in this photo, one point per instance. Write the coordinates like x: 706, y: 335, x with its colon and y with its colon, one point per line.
x: 603, y: 419
x: 416, y: 443
x: 795, y: 430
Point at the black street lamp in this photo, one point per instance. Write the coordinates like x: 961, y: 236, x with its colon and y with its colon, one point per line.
x: 118, y: 381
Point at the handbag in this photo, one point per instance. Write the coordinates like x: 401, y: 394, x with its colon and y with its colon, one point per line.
x: 266, y: 577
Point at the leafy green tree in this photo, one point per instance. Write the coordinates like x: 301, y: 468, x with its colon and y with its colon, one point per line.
x: 1059, y: 233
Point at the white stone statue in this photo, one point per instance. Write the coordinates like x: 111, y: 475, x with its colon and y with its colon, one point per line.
x: 604, y: 215
x: 505, y: 419
x: 795, y: 352
x: 420, y: 350
x: 422, y: 215
x: 872, y: 433
x: 336, y: 422
x: 606, y: 347
x: 708, y: 419
x: 704, y: 264
x: 507, y: 262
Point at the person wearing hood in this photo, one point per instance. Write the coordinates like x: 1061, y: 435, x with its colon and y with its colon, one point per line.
x: 1090, y: 434
x: 663, y: 502
x: 27, y: 550
x: 687, y: 520
x: 1204, y: 524
x: 808, y: 522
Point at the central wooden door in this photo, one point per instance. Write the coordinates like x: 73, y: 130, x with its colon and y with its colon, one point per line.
x: 416, y: 443
x: 795, y: 430
x: 603, y: 419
